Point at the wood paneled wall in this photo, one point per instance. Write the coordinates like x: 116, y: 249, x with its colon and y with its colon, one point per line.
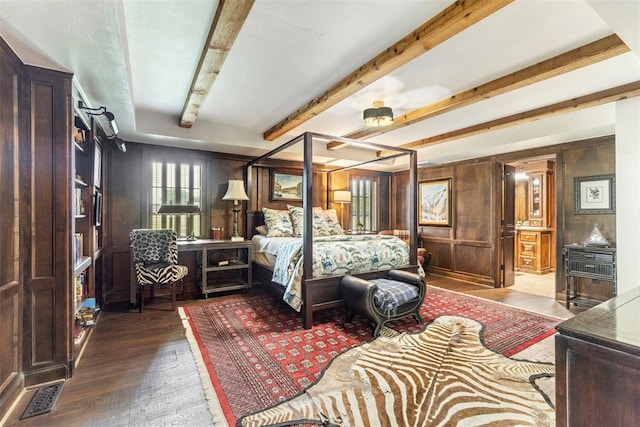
x: 127, y: 203
x: 36, y: 344
x: 587, y: 158
x: 469, y: 249
x: 11, y: 281
x: 45, y: 211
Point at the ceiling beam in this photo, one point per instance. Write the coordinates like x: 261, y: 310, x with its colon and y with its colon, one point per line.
x: 446, y: 24
x: 226, y: 25
x: 589, y: 54
x: 617, y: 93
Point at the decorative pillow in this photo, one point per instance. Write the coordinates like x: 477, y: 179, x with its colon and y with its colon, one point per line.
x: 262, y: 229
x: 319, y: 225
x: 278, y: 223
x: 331, y: 220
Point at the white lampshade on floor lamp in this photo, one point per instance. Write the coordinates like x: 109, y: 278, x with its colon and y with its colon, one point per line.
x: 235, y: 192
x: 342, y: 197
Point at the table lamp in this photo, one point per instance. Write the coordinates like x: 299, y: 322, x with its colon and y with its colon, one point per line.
x: 235, y: 192
x: 342, y: 197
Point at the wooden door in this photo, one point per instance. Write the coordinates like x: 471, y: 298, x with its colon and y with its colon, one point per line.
x: 507, y: 225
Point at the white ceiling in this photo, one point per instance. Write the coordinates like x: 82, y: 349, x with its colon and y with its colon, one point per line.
x: 138, y: 57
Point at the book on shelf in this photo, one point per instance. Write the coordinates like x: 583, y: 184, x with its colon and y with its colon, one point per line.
x: 86, y: 314
x: 79, y: 242
x: 78, y: 205
x: 80, y: 287
x: 78, y: 334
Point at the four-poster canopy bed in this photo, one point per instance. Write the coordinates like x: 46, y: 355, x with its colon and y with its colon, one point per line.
x: 314, y: 286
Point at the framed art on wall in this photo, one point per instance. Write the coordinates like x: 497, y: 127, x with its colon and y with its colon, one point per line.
x: 286, y: 185
x: 97, y: 166
x: 595, y: 195
x: 435, y: 202
x: 97, y: 213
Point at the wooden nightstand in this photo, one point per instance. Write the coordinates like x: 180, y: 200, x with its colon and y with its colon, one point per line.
x: 223, y: 265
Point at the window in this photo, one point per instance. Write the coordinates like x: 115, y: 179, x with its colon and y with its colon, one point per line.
x: 178, y: 184
x: 364, y: 202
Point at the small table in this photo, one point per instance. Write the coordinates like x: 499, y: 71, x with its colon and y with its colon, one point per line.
x: 235, y: 259
x: 590, y: 262
x: 237, y: 264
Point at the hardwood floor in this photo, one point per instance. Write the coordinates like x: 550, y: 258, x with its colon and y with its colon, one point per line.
x: 137, y: 369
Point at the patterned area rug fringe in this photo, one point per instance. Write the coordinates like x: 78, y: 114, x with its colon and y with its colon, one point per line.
x: 256, y: 352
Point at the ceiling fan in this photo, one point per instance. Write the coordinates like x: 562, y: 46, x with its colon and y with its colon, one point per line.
x: 391, y: 92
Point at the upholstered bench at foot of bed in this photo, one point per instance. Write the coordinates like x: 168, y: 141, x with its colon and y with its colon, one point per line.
x: 398, y: 295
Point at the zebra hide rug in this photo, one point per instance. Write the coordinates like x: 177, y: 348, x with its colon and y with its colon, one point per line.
x: 443, y: 376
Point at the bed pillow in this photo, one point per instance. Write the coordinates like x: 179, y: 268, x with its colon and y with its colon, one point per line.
x: 278, y: 223
x: 262, y: 229
x: 331, y: 220
x: 319, y: 224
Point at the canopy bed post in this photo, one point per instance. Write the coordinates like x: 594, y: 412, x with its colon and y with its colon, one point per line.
x: 253, y: 202
x: 413, y: 201
x: 315, y: 286
x: 307, y: 204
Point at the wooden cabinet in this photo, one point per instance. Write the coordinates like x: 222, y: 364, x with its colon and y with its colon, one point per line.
x: 592, y: 263
x: 541, y: 196
x: 534, y: 248
x: 598, y: 365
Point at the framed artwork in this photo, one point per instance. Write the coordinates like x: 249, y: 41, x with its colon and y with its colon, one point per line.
x: 434, y: 198
x: 595, y: 195
x: 97, y: 214
x: 286, y: 185
x: 97, y: 166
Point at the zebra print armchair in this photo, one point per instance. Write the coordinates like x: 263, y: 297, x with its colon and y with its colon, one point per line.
x: 154, y: 256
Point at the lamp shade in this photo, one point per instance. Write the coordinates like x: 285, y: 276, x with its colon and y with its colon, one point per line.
x: 235, y: 191
x: 179, y: 209
x: 342, y: 196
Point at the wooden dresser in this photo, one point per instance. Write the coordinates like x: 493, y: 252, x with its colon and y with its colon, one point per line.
x: 534, y: 249
x: 598, y: 365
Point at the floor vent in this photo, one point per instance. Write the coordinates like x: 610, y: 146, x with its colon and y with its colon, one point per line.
x: 43, y: 401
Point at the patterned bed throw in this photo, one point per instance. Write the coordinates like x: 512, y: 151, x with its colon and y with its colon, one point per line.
x: 336, y: 256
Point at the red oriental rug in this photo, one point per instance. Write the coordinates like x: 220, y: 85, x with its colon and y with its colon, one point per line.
x: 257, y: 353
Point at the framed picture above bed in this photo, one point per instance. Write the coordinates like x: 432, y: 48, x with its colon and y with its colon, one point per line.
x: 285, y: 185
x: 434, y: 198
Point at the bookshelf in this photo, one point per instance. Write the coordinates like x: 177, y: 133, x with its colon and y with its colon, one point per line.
x: 87, y: 229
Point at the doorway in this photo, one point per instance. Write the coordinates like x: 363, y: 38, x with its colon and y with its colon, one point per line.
x: 535, y: 229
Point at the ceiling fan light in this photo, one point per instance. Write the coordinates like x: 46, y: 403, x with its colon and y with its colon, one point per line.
x: 377, y: 117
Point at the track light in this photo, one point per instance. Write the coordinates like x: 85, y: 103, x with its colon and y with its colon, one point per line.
x: 119, y: 143
x: 102, y: 111
x: 112, y: 121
